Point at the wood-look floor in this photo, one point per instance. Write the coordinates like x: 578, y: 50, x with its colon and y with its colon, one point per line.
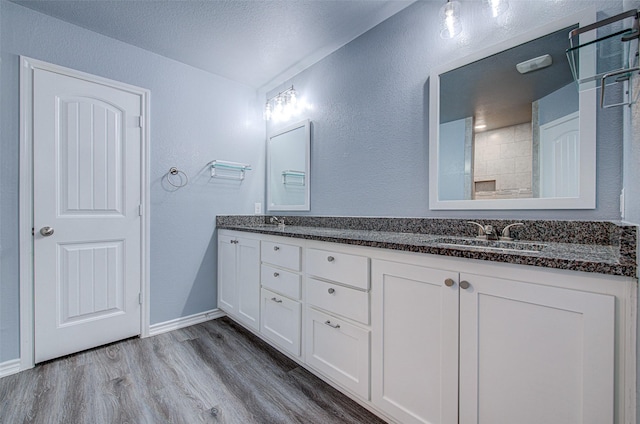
x: 214, y: 372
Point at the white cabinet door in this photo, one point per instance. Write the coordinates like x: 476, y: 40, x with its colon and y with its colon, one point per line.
x: 248, y: 281
x: 281, y: 321
x: 227, y: 292
x: 339, y: 350
x: 414, y: 357
x: 532, y: 354
x: 239, y: 278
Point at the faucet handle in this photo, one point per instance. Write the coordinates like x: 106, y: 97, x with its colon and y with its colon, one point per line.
x: 481, y: 229
x: 506, y: 234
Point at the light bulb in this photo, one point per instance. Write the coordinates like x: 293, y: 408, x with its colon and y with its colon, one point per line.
x: 496, y: 8
x: 450, y: 19
x: 267, y: 111
x: 279, y: 106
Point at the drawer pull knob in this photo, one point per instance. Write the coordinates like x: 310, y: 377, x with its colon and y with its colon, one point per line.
x: 331, y: 259
x: 275, y: 274
x: 327, y: 322
x: 331, y: 290
x: 276, y: 300
x: 448, y: 282
x: 276, y: 248
x: 464, y: 285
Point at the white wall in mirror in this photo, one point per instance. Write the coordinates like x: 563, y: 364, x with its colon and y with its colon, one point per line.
x: 288, y: 165
x: 510, y: 164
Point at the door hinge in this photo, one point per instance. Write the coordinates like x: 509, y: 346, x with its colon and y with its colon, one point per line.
x: 139, y: 210
x: 140, y: 298
x: 33, y: 231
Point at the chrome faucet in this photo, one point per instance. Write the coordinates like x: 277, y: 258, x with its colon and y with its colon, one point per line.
x: 486, y: 232
x: 506, y: 234
x: 278, y: 221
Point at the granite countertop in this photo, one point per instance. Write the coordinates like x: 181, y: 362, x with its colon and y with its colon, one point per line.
x: 606, y: 255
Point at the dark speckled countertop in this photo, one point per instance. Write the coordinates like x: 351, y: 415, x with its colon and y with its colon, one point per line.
x: 589, y: 246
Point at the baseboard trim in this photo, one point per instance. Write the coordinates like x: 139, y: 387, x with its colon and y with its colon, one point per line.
x: 9, y: 367
x: 175, y: 324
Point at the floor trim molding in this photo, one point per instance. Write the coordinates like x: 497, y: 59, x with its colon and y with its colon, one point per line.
x: 182, y: 322
x: 9, y: 367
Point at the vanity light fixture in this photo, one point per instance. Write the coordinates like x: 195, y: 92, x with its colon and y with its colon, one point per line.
x: 284, y: 106
x: 534, y: 64
x: 496, y: 8
x: 450, y: 22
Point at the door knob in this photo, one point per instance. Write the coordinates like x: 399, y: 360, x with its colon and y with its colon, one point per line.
x: 464, y: 285
x: 448, y: 282
x: 46, y: 231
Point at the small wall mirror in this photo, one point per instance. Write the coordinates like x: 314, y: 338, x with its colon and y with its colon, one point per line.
x: 288, y: 164
x: 509, y: 128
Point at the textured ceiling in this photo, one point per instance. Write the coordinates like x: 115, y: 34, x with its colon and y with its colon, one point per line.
x: 259, y: 43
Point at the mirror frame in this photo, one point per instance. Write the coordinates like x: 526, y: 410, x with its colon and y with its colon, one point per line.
x: 306, y: 206
x: 588, y: 108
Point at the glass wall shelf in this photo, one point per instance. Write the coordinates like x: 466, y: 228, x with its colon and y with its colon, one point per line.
x: 605, y: 47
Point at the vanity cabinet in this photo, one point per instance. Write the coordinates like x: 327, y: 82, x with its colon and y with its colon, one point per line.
x: 239, y: 277
x: 429, y: 339
x: 281, y: 321
x: 337, y: 299
x: 535, y: 354
x: 281, y: 295
x: 414, y: 364
x: 522, y: 352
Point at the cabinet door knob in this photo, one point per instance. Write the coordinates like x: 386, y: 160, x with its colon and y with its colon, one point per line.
x: 464, y: 284
x: 276, y: 248
x: 327, y: 322
x: 331, y: 258
x: 276, y: 274
x: 448, y: 282
x: 331, y: 290
x: 276, y: 300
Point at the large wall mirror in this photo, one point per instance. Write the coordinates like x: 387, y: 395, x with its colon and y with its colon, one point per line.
x: 288, y: 151
x: 510, y: 129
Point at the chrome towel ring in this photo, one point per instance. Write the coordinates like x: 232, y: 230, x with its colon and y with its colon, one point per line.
x: 177, y: 174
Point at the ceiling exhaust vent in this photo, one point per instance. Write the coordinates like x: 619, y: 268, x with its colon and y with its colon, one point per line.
x: 534, y: 64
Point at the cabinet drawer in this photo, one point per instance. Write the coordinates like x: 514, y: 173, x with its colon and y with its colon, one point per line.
x: 339, y: 350
x: 345, y: 301
x: 281, y: 321
x: 280, y: 281
x: 283, y: 255
x: 347, y: 269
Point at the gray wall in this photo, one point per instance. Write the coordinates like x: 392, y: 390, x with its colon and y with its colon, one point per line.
x: 370, y: 116
x: 196, y: 117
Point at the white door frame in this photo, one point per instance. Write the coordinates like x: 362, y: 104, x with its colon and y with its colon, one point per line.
x: 27, y: 66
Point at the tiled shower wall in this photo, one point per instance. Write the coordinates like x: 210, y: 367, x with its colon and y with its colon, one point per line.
x: 504, y: 155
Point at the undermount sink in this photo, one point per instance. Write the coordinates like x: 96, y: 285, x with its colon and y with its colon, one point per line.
x: 490, y: 245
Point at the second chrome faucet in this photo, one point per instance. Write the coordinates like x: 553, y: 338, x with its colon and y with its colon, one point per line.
x: 488, y: 232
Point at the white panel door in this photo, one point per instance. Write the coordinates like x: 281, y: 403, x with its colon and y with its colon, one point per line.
x: 87, y: 189
x: 560, y: 157
x: 532, y: 354
x: 414, y: 350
